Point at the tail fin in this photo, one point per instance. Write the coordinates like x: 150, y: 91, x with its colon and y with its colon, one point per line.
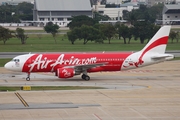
x: 158, y: 42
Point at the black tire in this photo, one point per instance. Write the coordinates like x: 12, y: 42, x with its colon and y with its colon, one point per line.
x: 87, y: 78
x: 83, y: 76
x: 28, y: 78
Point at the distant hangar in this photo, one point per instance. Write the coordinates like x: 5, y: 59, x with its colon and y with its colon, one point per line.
x: 171, y: 14
x: 59, y: 11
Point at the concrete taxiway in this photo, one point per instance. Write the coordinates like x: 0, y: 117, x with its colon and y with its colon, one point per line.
x: 149, y: 93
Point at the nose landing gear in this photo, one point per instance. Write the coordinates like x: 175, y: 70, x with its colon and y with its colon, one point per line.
x: 28, y: 77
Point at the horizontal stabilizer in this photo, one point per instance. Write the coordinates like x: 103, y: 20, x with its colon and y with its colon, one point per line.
x: 163, y: 56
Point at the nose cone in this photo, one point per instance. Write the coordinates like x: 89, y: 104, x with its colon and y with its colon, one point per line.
x: 7, y: 66
x: 13, y: 66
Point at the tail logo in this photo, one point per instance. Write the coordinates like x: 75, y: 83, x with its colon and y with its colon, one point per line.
x: 136, y: 64
x: 158, y: 42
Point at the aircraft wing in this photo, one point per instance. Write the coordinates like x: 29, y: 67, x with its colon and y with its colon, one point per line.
x: 85, y: 67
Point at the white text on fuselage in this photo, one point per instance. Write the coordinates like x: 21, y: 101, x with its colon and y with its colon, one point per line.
x: 41, y: 63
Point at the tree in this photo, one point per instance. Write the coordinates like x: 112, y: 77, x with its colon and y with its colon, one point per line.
x: 123, y: 32
x: 72, y: 37
x: 74, y: 34
x: 144, y: 13
x: 174, y: 35
x: 156, y: 11
x: 96, y: 35
x: 142, y: 30
x: 130, y: 34
x: 20, y: 35
x: 177, y: 36
x: 52, y: 28
x: 152, y: 31
x: 98, y: 17
x: 88, y: 33
x: 5, y: 13
x: 25, y: 8
x: 101, y: 36
x: 78, y: 21
x: 108, y: 30
x: 131, y: 16
x: 5, y: 34
x: 15, y: 13
x: 25, y: 11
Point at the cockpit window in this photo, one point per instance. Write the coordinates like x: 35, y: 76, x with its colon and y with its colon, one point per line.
x: 16, y: 60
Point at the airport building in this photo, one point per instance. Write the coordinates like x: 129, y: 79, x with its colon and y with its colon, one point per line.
x: 171, y: 14
x: 154, y: 2
x: 115, y: 12
x: 59, y: 12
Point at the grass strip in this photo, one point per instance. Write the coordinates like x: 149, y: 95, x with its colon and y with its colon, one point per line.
x: 176, y: 58
x: 39, y: 88
x: 45, y: 43
x: 3, y: 61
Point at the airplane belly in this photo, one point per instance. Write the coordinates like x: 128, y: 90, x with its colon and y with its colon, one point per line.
x: 112, y: 68
x: 97, y: 69
x: 104, y: 68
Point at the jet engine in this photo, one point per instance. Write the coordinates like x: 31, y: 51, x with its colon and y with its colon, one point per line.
x: 65, y: 72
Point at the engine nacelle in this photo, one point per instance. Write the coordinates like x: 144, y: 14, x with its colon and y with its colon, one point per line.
x: 65, y: 72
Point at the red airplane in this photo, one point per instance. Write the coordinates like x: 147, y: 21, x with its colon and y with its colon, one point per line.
x: 69, y: 65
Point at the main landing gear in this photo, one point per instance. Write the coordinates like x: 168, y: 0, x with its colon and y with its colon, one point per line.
x: 28, y: 77
x: 85, y: 77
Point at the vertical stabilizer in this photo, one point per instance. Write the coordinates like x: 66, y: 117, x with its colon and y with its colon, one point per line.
x: 158, y: 42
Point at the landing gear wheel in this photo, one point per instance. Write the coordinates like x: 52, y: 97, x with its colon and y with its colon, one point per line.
x: 85, y: 77
x: 28, y: 78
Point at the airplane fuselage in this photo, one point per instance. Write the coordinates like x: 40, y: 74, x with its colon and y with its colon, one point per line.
x: 67, y: 65
x: 51, y: 62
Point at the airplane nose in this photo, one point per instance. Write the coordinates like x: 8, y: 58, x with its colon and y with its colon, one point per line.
x: 7, y: 66
x: 12, y: 67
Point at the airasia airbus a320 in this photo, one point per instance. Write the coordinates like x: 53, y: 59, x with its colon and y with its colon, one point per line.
x: 69, y: 65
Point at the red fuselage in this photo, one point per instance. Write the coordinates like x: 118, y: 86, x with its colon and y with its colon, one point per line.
x: 51, y: 62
